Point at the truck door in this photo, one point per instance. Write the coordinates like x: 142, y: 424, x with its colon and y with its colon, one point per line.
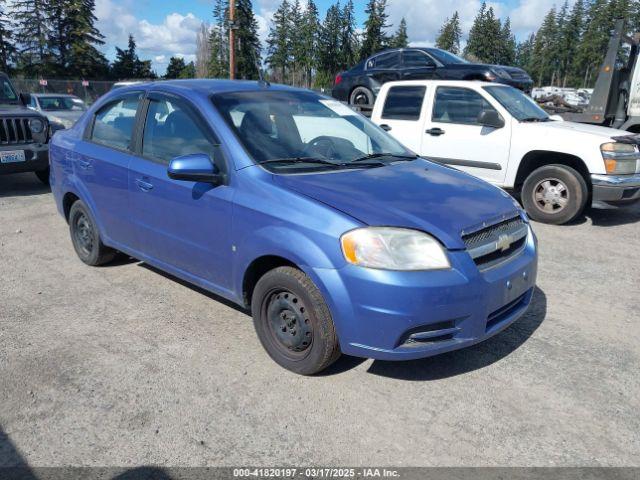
x: 402, y: 114
x: 454, y: 137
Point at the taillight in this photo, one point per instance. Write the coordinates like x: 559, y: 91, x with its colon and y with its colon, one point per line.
x: 338, y: 80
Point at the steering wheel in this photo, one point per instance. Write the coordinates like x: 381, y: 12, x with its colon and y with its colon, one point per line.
x: 323, y: 145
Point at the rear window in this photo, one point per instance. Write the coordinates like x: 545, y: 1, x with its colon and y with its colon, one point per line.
x: 404, y: 103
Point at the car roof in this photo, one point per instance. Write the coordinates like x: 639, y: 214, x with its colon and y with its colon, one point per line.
x: 45, y: 95
x: 448, y: 83
x: 205, y: 87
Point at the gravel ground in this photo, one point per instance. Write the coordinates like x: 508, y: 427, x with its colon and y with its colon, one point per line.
x: 126, y: 366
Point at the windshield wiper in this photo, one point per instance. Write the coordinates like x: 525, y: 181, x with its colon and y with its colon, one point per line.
x: 300, y: 160
x: 534, y: 119
x: 373, y: 156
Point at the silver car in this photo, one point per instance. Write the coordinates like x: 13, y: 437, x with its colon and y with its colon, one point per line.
x: 60, y: 109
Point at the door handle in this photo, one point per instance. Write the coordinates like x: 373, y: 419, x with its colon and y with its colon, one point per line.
x: 84, y: 164
x: 435, y: 132
x: 144, y: 186
x: 385, y: 127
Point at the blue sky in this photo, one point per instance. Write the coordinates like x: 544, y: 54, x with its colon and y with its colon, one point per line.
x: 164, y: 28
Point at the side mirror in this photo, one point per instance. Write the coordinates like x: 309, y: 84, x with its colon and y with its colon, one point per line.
x: 25, y: 98
x: 197, y: 167
x: 490, y: 118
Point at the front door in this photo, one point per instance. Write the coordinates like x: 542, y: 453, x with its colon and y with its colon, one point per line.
x: 453, y: 135
x: 417, y: 65
x: 182, y: 225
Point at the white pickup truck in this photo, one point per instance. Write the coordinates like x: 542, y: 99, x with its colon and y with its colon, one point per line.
x: 499, y: 134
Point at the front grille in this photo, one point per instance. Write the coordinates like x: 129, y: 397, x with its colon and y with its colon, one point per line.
x: 496, y: 243
x: 15, y: 131
x: 505, y: 312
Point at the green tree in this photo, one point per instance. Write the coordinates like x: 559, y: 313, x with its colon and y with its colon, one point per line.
x: 401, y: 38
x: 189, y: 71
x: 450, y: 35
x: 309, y: 33
x: 485, y: 37
x: 543, y: 65
x: 279, y: 41
x: 295, y: 25
x: 127, y: 65
x: 329, y: 46
x: 83, y: 38
x: 219, y: 41
x: 7, y: 46
x: 248, y: 48
x: 32, y: 30
x: 349, y: 44
x: 175, y: 68
x: 524, y: 52
x: 569, y: 41
x: 375, y: 37
x: 506, y: 45
x: 593, y: 46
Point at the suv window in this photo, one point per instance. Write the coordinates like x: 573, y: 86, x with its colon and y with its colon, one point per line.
x: 114, y: 123
x: 404, y: 103
x: 416, y: 58
x: 384, y: 60
x: 170, y: 131
x: 458, y: 105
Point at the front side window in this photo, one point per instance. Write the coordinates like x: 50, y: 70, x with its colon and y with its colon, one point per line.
x: 171, y: 131
x: 303, y: 130
x: 114, y: 123
x: 458, y: 105
x: 7, y: 93
x: 404, y: 103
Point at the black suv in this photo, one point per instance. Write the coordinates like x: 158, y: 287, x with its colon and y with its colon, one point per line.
x: 23, y: 134
x: 361, y: 84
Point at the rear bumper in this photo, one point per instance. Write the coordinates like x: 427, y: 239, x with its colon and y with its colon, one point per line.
x: 37, y: 158
x: 616, y: 188
x: 407, y: 315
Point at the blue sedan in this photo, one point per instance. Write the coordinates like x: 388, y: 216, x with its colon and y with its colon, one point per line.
x: 338, y: 238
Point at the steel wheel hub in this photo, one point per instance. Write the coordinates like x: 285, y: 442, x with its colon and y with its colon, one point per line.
x: 551, y: 195
x: 288, y: 321
x: 84, y: 233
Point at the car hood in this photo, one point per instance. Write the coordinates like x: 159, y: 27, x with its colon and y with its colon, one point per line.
x: 419, y: 194
x: 17, y: 109
x: 603, y: 133
x: 66, y: 118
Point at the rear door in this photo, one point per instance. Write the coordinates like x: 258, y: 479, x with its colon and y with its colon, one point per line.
x: 403, y: 115
x: 383, y: 68
x: 101, y: 163
x: 417, y: 65
x: 183, y: 225
x: 453, y: 135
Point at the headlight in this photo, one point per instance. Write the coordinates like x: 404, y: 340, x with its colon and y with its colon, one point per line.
x: 36, y: 125
x: 501, y: 73
x: 393, y: 249
x: 620, y: 158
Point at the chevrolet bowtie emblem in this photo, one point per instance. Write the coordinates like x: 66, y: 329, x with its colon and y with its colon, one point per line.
x: 503, y: 243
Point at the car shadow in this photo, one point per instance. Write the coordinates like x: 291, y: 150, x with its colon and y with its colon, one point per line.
x: 22, y: 185
x: 613, y: 216
x: 472, y: 358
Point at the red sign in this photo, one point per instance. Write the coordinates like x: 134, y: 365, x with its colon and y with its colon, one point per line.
x: 44, y: 83
x: 85, y: 83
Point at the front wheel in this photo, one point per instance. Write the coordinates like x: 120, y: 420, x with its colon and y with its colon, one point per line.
x: 86, y: 238
x: 554, y: 194
x: 293, y: 321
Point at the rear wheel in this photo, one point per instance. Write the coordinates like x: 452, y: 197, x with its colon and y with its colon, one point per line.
x: 361, y: 96
x: 43, y: 175
x: 293, y: 321
x: 86, y: 238
x: 554, y: 194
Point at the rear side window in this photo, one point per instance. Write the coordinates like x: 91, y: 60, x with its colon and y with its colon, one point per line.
x: 458, y: 105
x: 114, y: 123
x: 416, y: 58
x: 404, y: 103
x: 384, y: 60
x: 171, y: 131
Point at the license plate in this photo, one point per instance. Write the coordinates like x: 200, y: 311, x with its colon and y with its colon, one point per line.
x: 12, y: 156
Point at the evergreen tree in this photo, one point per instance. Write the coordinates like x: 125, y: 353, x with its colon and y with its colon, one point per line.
x: 248, y: 48
x: 175, y: 68
x: 401, y: 38
x: 349, y: 40
x: 593, y: 47
x: 83, y: 38
x: 295, y: 23
x: 219, y: 41
x: 506, y: 45
x: 32, y: 30
x: 570, y: 36
x: 7, y: 45
x: 450, y: 35
x: 329, y: 46
x: 543, y: 65
x: 309, y: 32
x: 127, y: 65
x: 524, y: 52
x: 279, y: 41
x: 189, y: 71
x: 375, y: 38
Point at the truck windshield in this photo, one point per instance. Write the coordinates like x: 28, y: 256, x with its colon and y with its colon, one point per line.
x: 521, y: 106
x: 302, y: 130
x: 7, y: 93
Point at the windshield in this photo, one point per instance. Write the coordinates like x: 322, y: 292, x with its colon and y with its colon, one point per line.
x: 521, y: 106
x: 7, y: 93
x: 445, y: 57
x: 51, y: 104
x: 303, y: 130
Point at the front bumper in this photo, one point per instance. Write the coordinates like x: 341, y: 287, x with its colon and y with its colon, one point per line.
x: 616, y: 188
x: 526, y: 85
x: 407, y: 315
x: 36, y: 154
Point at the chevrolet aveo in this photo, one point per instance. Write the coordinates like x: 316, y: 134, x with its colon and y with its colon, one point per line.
x: 338, y: 238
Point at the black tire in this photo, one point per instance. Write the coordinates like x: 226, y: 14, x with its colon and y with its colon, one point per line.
x: 43, y: 175
x: 293, y: 321
x: 362, y: 96
x: 554, y: 194
x: 86, y: 238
